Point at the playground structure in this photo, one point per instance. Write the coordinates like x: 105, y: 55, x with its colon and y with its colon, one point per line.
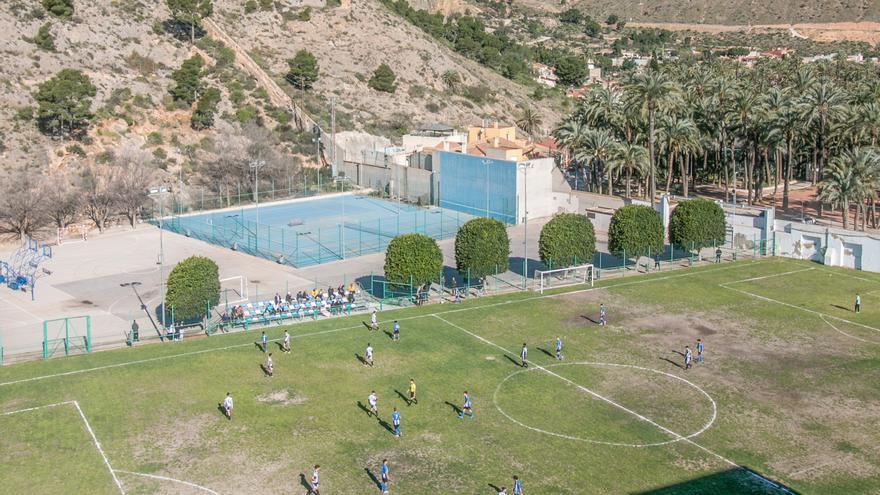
x: 24, y: 267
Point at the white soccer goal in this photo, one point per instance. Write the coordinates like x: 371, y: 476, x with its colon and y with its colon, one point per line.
x: 233, y: 290
x: 73, y: 233
x: 562, y: 277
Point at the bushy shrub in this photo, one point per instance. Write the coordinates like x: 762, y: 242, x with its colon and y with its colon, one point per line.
x: 383, y: 79
x: 193, y: 285
x: 412, y: 258
x: 482, y: 247
x: 568, y: 239
x: 635, y: 230
x: 697, y: 223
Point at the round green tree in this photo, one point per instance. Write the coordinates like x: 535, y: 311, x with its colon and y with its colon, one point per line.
x: 697, y: 223
x: 482, y: 247
x: 383, y: 79
x: 568, y: 239
x: 303, y: 70
x: 636, y: 230
x: 193, y: 284
x: 412, y: 258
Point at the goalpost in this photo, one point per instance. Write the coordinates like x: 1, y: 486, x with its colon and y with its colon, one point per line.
x: 233, y: 290
x: 73, y: 233
x: 563, y: 277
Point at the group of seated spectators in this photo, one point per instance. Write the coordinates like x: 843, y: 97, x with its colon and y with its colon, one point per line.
x: 304, y: 301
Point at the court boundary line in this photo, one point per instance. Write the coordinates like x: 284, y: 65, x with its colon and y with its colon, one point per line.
x: 623, y: 408
x: 866, y: 341
x: 405, y: 318
x: 601, y: 442
x: 100, y: 449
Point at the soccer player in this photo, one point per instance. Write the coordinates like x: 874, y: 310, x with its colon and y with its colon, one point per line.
x: 385, y: 474
x: 412, y: 392
x: 396, y: 333
x: 523, y: 356
x: 270, y: 370
x: 227, y: 406
x: 466, y: 407
x: 699, y: 350
x: 688, y: 355
x: 502, y: 491
x: 374, y: 321
x: 286, y: 341
x: 395, y: 421
x: 558, y: 349
x: 602, y: 314
x: 263, y: 341
x: 517, y: 486
x: 858, y: 303
x: 368, y: 355
x: 314, y: 487
x: 373, y: 401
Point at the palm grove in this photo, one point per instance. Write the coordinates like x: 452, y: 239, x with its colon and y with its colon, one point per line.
x: 682, y: 124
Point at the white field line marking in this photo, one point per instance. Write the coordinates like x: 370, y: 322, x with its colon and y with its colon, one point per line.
x: 853, y: 276
x: 848, y: 335
x: 165, y: 478
x: 622, y: 408
x: 812, y: 311
x: 768, y: 276
x: 601, y: 442
x: 88, y: 427
x: 35, y: 317
x: 98, y: 445
x: 470, y: 308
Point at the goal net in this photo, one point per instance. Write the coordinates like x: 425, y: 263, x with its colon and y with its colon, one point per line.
x: 562, y: 277
x: 73, y: 233
x: 233, y: 290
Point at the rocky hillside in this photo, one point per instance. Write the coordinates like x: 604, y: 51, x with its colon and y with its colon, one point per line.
x: 739, y: 12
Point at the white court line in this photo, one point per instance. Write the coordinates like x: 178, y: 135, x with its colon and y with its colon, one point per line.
x: 768, y: 276
x: 165, y: 478
x: 812, y: 311
x: 622, y: 408
x: 469, y: 308
x: 37, y: 408
x: 35, y: 317
x: 98, y: 445
x: 601, y: 442
x: 848, y: 335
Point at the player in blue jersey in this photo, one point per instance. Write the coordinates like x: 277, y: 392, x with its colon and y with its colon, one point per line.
x: 558, y: 349
x: 517, y: 486
x: 396, y: 332
x: 699, y: 350
x: 395, y: 422
x: 263, y: 341
x: 602, y: 314
x: 466, y: 407
x: 385, y: 475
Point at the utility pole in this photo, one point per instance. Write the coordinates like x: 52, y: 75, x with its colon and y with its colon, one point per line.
x: 159, y: 192
x: 525, y: 168
x: 333, y: 134
x: 257, y: 165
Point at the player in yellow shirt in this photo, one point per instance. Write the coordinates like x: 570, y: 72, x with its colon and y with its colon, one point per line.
x: 412, y: 392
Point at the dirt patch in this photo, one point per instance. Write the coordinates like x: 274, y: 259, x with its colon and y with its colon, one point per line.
x: 282, y: 398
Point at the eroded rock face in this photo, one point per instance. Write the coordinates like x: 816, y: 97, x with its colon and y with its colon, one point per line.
x: 447, y: 7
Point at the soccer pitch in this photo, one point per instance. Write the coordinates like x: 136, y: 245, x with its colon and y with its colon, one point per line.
x: 787, y: 400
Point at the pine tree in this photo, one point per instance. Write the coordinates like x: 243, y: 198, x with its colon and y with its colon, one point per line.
x: 383, y: 79
x: 188, y: 80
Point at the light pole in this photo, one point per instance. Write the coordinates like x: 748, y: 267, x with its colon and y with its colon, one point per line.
x: 257, y: 165
x: 487, y: 163
x: 525, y: 167
x: 160, y: 192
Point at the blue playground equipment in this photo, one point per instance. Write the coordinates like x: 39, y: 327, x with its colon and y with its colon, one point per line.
x: 24, y: 268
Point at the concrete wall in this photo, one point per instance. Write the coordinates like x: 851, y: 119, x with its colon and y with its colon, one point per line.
x: 831, y: 246
x: 541, y: 199
x: 411, y: 184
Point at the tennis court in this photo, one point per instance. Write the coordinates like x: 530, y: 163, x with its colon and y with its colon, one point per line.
x: 314, y: 231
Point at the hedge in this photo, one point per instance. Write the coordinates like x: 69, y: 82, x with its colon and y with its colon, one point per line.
x: 568, y: 239
x: 697, y: 223
x: 482, y: 247
x: 413, y: 255
x: 193, y: 284
x: 635, y: 230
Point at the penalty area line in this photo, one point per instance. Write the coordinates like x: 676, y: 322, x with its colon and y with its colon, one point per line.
x: 622, y: 408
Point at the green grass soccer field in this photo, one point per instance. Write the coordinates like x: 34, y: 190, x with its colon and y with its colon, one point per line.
x: 786, y: 401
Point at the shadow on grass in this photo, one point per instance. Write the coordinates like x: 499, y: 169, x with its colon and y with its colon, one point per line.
x: 360, y: 359
x: 305, y: 483
x: 455, y: 408
x: 514, y: 361
x: 545, y: 351
x: 373, y: 477
x: 266, y: 371
x: 495, y: 488
x: 402, y: 397
x: 849, y: 310
x: 365, y: 409
x: 385, y: 425
x: 390, y: 336
x: 672, y: 362
x: 732, y: 481
x: 590, y: 319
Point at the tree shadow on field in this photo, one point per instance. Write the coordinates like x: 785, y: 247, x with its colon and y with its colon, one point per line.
x: 454, y: 407
x: 849, y: 310
x: 402, y: 397
x: 373, y: 477
x: 672, y: 362
x: 305, y: 483
x: 545, y: 351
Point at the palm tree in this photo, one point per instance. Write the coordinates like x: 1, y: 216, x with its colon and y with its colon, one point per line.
x: 597, y: 147
x: 631, y: 157
x: 822, y: 103
x: 529, y: 121
x: 680, y: 135
x: 451, y: 79
x: 866, y: 122
x: 650, y: 91
x: 842, y: 184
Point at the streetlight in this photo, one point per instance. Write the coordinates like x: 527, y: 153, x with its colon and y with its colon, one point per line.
x: 525, y: 167
x: 487, y: 163
x: 160, y: 192
x: 341, y: 180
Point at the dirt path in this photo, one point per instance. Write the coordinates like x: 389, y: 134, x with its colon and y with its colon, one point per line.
x: 832, y: 31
